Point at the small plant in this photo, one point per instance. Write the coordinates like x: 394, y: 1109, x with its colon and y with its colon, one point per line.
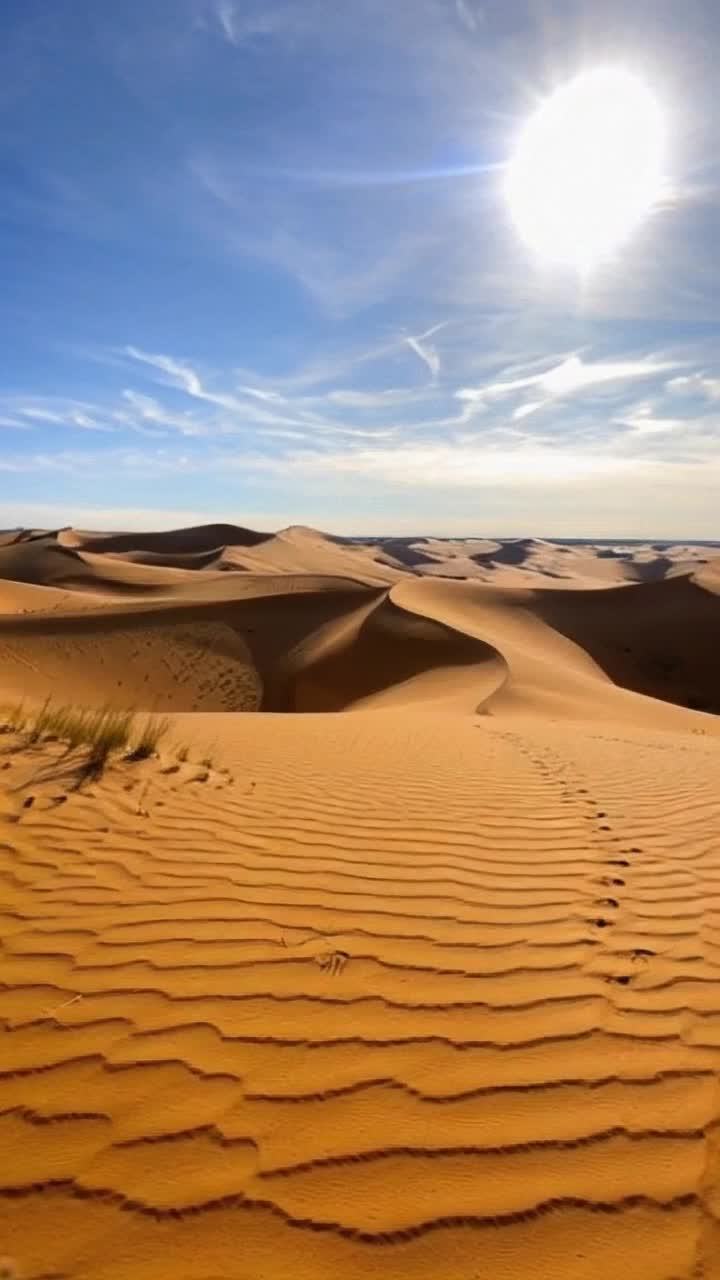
x: 40, y: 724
x: 106, y: 731
x: 183, y: 753
x: 152, y: 732
x: 99, y: 732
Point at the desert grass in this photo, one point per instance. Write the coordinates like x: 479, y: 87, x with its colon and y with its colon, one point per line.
x: 97, y: 732
x: 152, y: 732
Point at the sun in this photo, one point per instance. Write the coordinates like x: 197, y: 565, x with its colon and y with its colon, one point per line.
x: 587, y: 168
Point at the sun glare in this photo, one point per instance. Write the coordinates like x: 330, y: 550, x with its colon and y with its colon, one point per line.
x: 588, y: 166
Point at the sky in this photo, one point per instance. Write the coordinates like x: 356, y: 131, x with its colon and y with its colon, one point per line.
x: 258, y: 265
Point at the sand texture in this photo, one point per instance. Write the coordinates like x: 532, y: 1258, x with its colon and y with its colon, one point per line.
x: 401, y: 958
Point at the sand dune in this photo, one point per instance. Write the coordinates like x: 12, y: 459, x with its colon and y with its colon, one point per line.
x: 420, y: 980
x: 203, y: 538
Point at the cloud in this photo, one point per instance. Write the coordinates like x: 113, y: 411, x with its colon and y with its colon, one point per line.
x: 270, y: 397
x: 471, y: 18
x: 524, y: 410
x: 41, y: 415
x: 386, y: 399
x: 63, y: 413
x: 179, y: 375
x: 569, y: 378
x: 424, y: 351
x: 695, y: 384
x: 239, y: 25
x: 441, y: 442
x: 643, y: 422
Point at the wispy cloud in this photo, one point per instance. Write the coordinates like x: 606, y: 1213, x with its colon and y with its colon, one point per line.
x: 470, y: 17
x: 695, y: 384
x: 241, y: 21
x: 303, y: 433
x: 569, y: 378
x: 424, y: 351
x: 48, y: 411
x: 181, y: 376
x: 644, y: 422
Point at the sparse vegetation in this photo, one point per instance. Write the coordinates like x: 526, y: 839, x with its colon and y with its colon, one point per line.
x: 38, y: 725
x: 99, y: 732
x: 153, y: 730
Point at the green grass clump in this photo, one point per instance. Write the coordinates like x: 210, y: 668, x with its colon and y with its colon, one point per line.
x: 146, y: 745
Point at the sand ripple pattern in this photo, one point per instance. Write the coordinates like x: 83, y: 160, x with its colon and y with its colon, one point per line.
x: 392, y: 999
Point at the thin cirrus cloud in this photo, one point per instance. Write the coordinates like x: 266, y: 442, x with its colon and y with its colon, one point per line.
x: 401, y: 435
x: 564, y: 380
x: 424, y: 351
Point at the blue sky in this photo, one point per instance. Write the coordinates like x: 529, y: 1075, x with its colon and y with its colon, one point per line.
x: 258, y: 266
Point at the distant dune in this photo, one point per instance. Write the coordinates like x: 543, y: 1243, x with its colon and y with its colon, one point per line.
x: 400, y: 956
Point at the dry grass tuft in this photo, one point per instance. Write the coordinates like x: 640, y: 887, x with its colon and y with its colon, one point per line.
x: 99, y: 733
x: 152, y: 732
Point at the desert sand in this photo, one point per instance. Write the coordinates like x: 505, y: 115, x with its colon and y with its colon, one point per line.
x: 401, y: 957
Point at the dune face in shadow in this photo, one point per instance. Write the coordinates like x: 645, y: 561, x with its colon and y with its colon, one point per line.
x: 513, y: 551
x: 659, y: 639
x: 398, y: 954
x: 205, y: 538
x: 387, y: 651
x: 41, y: 562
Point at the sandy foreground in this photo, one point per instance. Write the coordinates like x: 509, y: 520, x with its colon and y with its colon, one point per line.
x: 401, y: 958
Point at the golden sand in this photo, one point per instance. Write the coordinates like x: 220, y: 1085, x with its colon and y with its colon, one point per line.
x: 420, y: 981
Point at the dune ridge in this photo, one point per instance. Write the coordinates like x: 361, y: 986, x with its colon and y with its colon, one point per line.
x: 409, y: 968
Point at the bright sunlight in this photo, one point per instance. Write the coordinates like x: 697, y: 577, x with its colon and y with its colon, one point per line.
x: 587, y: 168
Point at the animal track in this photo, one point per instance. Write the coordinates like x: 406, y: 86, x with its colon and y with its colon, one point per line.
x: 332, y: 962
